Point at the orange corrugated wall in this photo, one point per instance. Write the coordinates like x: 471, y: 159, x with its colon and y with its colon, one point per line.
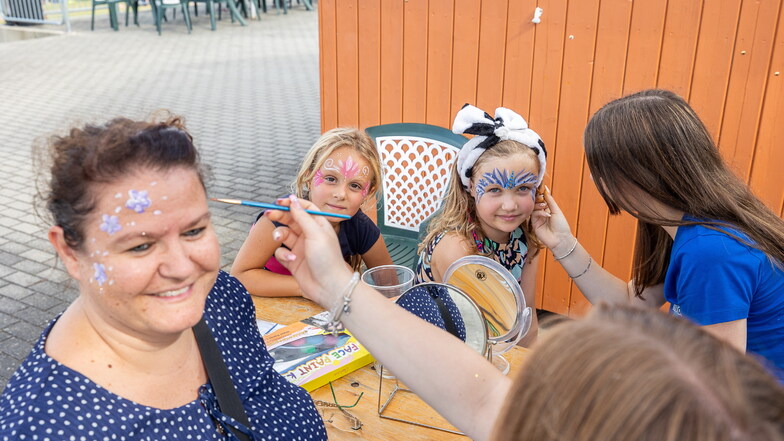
x: 389, y: 61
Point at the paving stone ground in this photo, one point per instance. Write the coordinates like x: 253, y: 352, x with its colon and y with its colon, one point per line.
x: 250, y: 96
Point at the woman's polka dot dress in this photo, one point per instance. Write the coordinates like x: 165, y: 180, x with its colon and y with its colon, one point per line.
x: 47, y: 401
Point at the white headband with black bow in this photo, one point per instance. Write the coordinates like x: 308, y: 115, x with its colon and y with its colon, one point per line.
x: 490, y: 131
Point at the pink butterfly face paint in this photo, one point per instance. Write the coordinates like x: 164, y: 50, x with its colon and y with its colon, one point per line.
x: 342, y: 182
x: 318, y: 178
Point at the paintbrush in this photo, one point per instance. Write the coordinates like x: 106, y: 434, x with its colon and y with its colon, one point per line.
x: 277, y: 207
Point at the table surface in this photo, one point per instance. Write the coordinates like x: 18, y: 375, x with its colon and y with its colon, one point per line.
x: 347, y: 389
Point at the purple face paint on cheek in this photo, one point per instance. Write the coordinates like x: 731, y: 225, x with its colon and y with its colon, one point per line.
x: 100, y: 273
x: 138, y: 201
x: 110, y: 224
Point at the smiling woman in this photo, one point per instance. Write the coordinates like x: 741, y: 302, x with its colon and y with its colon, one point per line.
x: 131, y: 224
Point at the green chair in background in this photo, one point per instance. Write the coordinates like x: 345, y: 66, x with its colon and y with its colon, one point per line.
x: 160, y: 7
x: 234, y: 11
x: 209, y: 6
x: 416, y: 161
x: 112, y: 5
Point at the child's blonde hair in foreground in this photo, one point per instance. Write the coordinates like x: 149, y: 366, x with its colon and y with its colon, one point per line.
x: 458, y: 212
x: 358, y: 140
x: 627, y: 374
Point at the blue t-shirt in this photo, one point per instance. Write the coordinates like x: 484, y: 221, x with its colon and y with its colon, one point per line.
x: 713, y: 278
x: 48, y: 401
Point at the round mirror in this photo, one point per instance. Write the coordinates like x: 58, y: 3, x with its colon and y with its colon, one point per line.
x: 450, y: 309
x: 497, y: 293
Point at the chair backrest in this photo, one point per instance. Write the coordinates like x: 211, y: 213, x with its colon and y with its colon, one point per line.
x: 416, y: 161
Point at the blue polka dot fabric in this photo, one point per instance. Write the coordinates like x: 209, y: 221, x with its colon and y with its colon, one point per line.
x: 47, y: 401
x: 432, y: 302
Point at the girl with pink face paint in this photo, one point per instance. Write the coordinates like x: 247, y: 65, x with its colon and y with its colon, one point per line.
x: 338, y: 174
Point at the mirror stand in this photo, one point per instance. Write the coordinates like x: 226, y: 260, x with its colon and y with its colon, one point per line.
x: 399, y: 387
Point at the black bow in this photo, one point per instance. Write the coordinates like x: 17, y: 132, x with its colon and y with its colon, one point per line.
x: 486, y: 129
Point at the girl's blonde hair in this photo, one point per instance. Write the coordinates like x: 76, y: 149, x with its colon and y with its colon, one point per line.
x: 358, y: 140
x: 458, y: 212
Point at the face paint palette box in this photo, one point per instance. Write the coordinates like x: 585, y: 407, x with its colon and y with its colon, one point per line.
x: 310, y: 357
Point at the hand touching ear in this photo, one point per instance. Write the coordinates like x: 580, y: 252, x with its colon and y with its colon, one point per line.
x: 549, y: 222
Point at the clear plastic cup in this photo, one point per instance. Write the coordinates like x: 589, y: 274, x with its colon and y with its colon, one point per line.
x: 389, y: 280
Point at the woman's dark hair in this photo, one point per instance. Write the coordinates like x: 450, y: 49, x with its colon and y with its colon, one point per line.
x: 79, y: 162
x: 652, y: 142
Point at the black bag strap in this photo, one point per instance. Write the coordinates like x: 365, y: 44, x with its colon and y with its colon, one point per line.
x: 449, y: 322
x: 228, y: 399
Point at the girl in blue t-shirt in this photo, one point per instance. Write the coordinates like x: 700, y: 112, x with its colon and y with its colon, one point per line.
x: 339, y: 173
x: 705, y: 243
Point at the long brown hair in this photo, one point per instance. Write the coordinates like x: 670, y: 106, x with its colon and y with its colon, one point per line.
x: 628, y: 374
x: 458, y: 212
x: 652, y: 141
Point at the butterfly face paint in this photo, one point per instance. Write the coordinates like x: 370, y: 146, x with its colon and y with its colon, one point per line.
x: 507, y: 180
x: 503, y: 191
x: 342, y: 182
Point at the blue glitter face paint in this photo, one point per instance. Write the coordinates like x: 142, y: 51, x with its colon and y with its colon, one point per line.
x: 100, y: 273
x: 505, y: 179
x: 138, y: 201
x: 110, y: 224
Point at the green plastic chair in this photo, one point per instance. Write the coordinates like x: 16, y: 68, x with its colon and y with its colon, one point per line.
x: 417, y: 162
x: 159, y: 8
x: 112, y: 5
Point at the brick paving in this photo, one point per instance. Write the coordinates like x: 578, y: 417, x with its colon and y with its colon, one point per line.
x: 250, y: 96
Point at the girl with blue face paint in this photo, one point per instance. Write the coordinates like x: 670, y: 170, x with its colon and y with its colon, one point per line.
x: 488, y: 207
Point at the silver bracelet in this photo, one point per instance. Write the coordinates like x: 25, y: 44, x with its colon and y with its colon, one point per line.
x: 590, y: 260
x: 569, y: 252
x: 334, y: 325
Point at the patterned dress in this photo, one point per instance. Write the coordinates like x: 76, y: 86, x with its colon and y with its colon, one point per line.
x: 46, y: 400
x: 510, y: 255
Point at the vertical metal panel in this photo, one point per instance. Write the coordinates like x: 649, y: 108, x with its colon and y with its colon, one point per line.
x: 748, y: 78
x: 439, y: 63
x: 369, y: 62
x: 391, y: 61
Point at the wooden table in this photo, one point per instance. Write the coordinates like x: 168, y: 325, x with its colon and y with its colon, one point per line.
x: 348, y: 388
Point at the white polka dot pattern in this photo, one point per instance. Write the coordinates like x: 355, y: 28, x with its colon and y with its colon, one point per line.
x: 45, y: 400
x: 423, y: 302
